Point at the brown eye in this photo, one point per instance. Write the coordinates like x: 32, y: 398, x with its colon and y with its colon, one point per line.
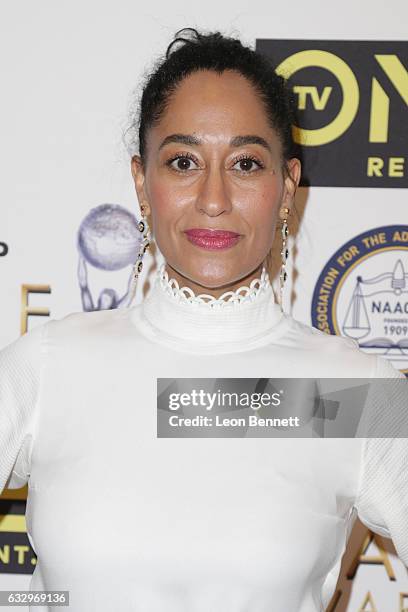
x: 181, y: 163
x: 246, y: 164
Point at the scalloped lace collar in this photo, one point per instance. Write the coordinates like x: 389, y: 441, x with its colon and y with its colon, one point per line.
x: 240, y: 295
x: 237, y: 320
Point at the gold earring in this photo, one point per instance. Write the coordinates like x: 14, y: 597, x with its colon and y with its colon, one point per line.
x: 284, y: 256
x: 144, y: 245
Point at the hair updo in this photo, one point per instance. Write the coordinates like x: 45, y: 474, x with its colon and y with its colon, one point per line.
x: 191, y: 51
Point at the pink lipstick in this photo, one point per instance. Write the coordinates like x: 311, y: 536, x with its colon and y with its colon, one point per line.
x: 212, y: 239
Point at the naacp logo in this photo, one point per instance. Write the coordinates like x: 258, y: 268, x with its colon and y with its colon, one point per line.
x: 362, y: 293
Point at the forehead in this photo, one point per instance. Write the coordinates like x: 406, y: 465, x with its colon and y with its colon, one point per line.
x: 210, y: 103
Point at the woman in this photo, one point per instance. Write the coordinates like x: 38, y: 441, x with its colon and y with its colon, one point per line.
x: 126, y: 519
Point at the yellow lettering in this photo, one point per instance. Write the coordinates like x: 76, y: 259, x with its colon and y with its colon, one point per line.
x: 349, y: 87
x: 27, y: 310
x: 396, y: 72
x: 361, y: 556
x: 374, y: 240
x: 400, y: 236
x: 379, y: 113
x: 5, y: 554
x: 402, y: 607
x: 368, y: 600
x: 374, y: 166
x: 348, y: 255
x: 380, y: 102
x: 396, y: 166
x: 21, y: 551
x: 319, y: 102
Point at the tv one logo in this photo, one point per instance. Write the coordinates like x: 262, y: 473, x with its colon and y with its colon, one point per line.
x: 352, y: 98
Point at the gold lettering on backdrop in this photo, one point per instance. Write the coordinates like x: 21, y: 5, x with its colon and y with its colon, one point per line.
x: 375, y: 166
x: 395, y: 167
x: 361, y: 557
x: 21, y: 550
x: 324, y: 295
x: 332, y: 607
x: 368, y: 600
x: 374, y: 240
x: 403, y: 599
x: 400, y: 236
x: 349, y: 88
x: 5, y: 554
x: 348, y: 255
x: 27, y: 310
x: 380, y: 102
x: 334, y: 601
x: 379, y: 113
x: 319, y: 102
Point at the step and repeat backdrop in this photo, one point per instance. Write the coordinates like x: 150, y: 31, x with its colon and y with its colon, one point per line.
x: 70, y: 74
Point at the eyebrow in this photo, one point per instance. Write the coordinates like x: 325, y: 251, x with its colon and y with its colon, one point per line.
x: 236, y: 141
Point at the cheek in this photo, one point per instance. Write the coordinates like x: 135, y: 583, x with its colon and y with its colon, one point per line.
x: 168, y: 214
x: 270, y: 195
x: 167, y: 202
x: 260, y: 208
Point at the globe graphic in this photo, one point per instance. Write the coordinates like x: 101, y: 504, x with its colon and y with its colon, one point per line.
x: 109, y: 237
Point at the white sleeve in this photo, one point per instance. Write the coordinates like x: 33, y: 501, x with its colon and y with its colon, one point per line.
x: 20, y: 366
x: 382, y: 498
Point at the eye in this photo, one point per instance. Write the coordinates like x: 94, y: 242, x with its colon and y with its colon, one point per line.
x: 246, y: 162
x: 182, y: 163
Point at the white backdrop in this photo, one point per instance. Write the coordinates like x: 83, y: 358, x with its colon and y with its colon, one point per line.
x: 68, y: 71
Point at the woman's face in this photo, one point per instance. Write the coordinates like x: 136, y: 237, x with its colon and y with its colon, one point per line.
x: 214, y: 163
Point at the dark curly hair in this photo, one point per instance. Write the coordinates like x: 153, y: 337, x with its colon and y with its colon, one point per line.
x: 191, y: 51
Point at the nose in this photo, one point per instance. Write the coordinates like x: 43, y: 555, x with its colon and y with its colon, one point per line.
x: 213, y: 198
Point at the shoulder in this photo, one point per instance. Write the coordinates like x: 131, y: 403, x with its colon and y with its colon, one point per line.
x: 20, y: 370
x: 309, y: 338
x: 85, y: 325
x: 333, y: 355
x: 22, y: 353
x: 313, y: 337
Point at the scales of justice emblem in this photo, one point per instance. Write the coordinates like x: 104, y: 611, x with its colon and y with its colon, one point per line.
x: 377, y: 313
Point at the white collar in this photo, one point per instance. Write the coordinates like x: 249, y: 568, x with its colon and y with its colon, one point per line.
x: 229, y: 299
x: 237, y: 320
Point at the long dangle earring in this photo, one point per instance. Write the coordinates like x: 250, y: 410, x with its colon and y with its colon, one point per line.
x: 138, y: 265
x: 284, y: 256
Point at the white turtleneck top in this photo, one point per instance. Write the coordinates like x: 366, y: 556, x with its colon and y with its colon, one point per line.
x: 126, y: 520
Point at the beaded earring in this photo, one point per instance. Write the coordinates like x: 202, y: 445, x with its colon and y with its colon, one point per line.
x: 144, y: 245
x: 284, y: 256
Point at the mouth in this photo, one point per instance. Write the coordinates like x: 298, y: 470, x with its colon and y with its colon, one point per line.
x: 212, y: 239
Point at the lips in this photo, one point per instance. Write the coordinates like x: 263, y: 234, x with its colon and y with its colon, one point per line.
x: 212, y: 239
x: 205, y: 233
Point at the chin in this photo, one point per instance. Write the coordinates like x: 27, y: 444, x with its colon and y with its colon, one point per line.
x: 212, y: 275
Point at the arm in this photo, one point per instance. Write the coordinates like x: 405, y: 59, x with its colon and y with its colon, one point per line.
x: 20, y: 366
x: 382, y: 497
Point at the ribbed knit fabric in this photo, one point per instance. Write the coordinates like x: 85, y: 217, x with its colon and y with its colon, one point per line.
x: 218, y: 326
x: 385, y: 462
x: 20, y: 364
x: 126, y: 520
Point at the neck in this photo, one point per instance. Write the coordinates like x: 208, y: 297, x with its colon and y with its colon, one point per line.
x: 237, y: 320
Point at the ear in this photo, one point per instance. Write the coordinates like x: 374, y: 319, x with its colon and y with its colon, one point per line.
x: 137, y: 169
x: 291, y: 182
